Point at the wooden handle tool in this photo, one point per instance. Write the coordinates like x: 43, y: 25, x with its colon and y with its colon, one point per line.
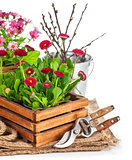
x: 107, y: 123
x: 102, y: 112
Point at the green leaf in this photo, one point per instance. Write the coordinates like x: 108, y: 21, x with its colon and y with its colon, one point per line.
x: 26, y: 99
x: 71, y: 86
x: 67, y: 98
x: 54, y: 65
x: 35, y: 105
x: 69, y: 63
x: 32, y: 57
x: 56, y: 92
x: 16, y: 85
x: 45, y: 101
x: 62, y: 68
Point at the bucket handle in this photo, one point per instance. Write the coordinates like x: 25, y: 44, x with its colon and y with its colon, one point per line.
x: 92, y: 67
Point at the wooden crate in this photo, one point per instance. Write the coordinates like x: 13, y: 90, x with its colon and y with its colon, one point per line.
x: 43, y: 125
x: 8, y: 69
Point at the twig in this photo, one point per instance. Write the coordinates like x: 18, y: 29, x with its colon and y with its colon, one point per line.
x: 71, y: 18
x: 49, y: 29
x: 48, y: 36
x: 93, y: 41
x: 76, y: 27
x: 55, y: 12
x: 52, y: 23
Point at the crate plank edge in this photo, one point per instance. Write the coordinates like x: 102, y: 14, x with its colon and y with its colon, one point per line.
x: 43, y: 125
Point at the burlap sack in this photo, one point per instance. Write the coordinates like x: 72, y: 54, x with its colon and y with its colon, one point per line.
x: 10, y: 144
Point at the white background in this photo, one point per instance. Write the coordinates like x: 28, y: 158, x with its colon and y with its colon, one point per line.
x: 111, y: 81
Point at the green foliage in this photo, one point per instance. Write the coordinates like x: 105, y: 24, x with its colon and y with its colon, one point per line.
x: 32, y: 57
x: 40, y: 96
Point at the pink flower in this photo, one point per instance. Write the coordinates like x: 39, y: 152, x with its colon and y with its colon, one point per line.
x: 82, y: 75
x: 59, y: 73
x: 45, y: 44
x: 20, y: 52
x: 2, y: 23
x: 30, y: 71
x: 11, y: 31
x: 1, y: 40
x: 47, y: 85
x: 34, y: 34
x: 64, y: 63
x: 78, y: 52
x: 12, y: 45
x: 36, y: 29
x: 14, y: 14
x: 32, y: 95
x: 3, y: 49
x: 7, y: 90
x: 18, y: 63
x: 63, y: 36
x: 30, y: 48
x: 13, y: 24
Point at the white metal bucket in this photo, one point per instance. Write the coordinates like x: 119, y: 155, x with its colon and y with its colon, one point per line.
x: 87, y: 67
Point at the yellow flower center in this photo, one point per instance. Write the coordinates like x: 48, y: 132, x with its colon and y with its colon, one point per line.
x: 45, y: 44
x: 29, y: 72
x: 30, y: 81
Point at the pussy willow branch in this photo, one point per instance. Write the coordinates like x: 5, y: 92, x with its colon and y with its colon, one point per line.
x: 93, y: 41
x: 77, y: 27
x: 48, y: 36
x: 49, y: 29
x: 71, y: 18
x: 52, y: 23
x: 57, y: 22
x: 55, y: 12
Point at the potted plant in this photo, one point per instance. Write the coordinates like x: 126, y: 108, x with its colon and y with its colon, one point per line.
x: 84, y: 61
x: 13, y: 36
x: 36, y: 99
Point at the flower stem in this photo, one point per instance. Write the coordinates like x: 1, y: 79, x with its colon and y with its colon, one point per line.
x: 60, y: 48
x: 47, y: 57
x: 74, y: 65
x: 36, y: 96
x: 1, y: 69
x: 56, y: 82
x: 21, y: 68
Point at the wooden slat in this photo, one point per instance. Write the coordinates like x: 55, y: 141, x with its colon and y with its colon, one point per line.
x: 28, y: 135
x: 9, y: 69
x: 17, y: 108
x: 16, y: 118
x: 60, y: 120
x: 52, y: 135
x: 64, y: 108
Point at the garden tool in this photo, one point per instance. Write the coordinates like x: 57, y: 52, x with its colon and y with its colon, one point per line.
x: 83, y: 128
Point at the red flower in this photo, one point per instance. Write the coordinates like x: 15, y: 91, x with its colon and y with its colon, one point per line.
x: 63, y: 36
x: 3, y: 53
x: 59, y: 73
x: 30, y: 81
x: 20, y: 52
x: 45, y: 44
x: 82, y: 75
x: 30, y: 71
x: 18, y: 63
x: 47, y: 85
x: 30, y: 48
x: 78, y: 52
x: 64, y: 63
x: 46, y: 70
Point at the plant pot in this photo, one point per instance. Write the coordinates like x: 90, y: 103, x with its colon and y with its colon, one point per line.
x: 87, y: 67
x: 42, y: 126
x: 9, y: 69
